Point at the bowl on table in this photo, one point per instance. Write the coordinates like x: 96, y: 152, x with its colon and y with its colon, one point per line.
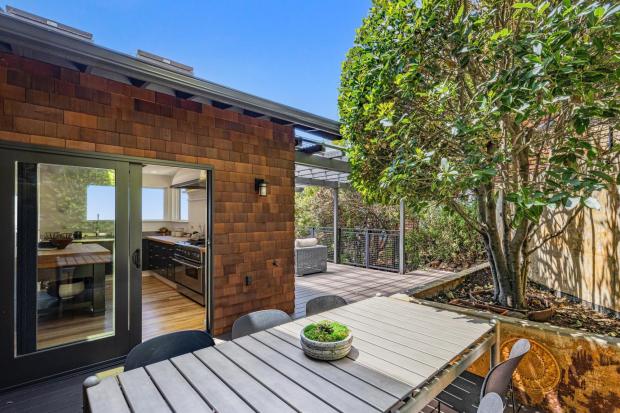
x: 59, y: 240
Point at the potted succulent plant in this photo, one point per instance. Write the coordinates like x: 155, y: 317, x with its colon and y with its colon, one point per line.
x: 326, y: 340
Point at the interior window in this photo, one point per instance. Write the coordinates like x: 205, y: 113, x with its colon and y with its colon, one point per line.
x: 153, y: 204
x: 183, y: 205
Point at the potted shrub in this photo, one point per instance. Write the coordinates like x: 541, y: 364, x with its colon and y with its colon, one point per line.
x: 326, y: 340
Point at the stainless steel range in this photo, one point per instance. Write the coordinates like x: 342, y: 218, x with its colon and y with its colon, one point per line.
x: 189, y: 270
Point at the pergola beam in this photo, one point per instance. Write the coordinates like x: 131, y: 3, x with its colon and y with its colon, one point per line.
x: 320, y: 182
x: 321, y: 162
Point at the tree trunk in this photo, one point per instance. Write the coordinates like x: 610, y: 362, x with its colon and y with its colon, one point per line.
x: 510, y: 281
x: 508, y: 269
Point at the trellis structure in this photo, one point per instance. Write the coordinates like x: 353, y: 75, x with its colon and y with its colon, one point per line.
x: 321, y: 162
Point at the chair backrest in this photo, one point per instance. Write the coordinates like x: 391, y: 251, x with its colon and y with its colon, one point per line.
x: 498, y: 378
x: 167, y: 346
x: 324, y: 303
x: 258, y: 321
x: 491, y: 403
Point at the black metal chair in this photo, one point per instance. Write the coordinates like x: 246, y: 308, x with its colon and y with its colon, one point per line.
x: 258, y: 321
x: 167, y: 346
x: 468, y: 390
x: 324, y: 303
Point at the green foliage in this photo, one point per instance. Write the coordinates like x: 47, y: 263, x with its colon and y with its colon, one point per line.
x: 438, y: 234
x: 432, y: 234
x: 314, y: 208
x: 440, y: 98
x: 326, y: 331
x: 305, y: 211
x: 511, y: 103
x: 63, y: 197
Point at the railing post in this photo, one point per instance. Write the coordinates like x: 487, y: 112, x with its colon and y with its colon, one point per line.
x: 401, y: 238
x: 336, y: 232
x: 367, y: 249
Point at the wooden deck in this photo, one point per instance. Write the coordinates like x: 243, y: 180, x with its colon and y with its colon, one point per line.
x: 355, y: 283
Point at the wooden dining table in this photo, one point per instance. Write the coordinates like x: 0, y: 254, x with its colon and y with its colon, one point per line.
x: 90, y: 255
x: 403, y: 355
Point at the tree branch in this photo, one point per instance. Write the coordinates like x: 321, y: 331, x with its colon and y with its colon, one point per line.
x: 476, y: 226
x: 557, y: 233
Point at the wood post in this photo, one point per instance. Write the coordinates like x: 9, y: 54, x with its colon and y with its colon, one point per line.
x: 401, y: 238
x: 336, y: 232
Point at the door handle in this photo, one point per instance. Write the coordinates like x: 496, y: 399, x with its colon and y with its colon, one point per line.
x: 136, y: 258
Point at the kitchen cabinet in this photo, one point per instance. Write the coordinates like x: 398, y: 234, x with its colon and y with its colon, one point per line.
x: 158, y: 258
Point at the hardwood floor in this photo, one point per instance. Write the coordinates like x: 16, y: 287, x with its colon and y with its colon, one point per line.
x: 164, y: 310
x: 76, y: 325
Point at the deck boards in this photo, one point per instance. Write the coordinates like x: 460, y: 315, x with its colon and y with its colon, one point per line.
x: 356, y: 283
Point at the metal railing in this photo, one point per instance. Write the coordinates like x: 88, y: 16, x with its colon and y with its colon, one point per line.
x: 362, y: 247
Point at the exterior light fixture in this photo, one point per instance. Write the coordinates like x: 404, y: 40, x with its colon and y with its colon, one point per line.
x: 260, y: 186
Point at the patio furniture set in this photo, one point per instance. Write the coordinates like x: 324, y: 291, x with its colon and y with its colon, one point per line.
x: 310, y: 257
x: 403, y: 357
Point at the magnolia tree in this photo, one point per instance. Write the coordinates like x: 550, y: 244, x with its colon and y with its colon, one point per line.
x: 509, y: 105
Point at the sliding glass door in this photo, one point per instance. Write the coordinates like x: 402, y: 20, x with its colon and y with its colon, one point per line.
x: 65, y: 259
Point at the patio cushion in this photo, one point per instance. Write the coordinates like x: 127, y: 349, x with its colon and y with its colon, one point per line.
x: 306, y: 242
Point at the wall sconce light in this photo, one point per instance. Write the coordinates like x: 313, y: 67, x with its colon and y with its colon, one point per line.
x: 260, y: 187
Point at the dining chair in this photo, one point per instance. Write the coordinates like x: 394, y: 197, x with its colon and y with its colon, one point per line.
x: 258, y: 321
x: 324, y: 303
x: 152, y: 351
x: 491, y: 403
x: 468, y: 389
x: 167, y: 346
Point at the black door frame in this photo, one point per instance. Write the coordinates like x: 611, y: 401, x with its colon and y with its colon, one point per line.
x: 54, y: 362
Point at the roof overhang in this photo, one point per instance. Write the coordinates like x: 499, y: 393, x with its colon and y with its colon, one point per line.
x: 318, y: 161
x: 23, y: 34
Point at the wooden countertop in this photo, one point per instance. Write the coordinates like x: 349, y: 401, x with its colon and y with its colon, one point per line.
x: 74, y: 254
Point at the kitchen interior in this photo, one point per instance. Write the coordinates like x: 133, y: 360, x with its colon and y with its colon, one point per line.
x: 174, y: 212
x: 75, y: 224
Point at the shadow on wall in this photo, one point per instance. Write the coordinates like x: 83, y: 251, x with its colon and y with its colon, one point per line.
x: 583, y: 262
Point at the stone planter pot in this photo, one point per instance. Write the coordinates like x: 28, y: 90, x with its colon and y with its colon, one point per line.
x: 319, y: 350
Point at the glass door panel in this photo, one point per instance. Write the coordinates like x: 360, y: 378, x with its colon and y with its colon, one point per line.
x: 68, y: 212
x: 64, y: 294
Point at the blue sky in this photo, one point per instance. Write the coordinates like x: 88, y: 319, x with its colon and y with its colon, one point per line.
x: 289, y: 51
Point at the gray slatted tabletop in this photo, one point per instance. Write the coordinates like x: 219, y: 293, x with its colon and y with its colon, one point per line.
x: 403, y: 355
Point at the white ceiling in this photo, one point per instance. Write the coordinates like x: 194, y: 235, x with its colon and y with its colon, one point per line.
x: 159, y: 170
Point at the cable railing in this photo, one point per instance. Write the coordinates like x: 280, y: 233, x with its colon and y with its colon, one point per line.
x: 362, y: 247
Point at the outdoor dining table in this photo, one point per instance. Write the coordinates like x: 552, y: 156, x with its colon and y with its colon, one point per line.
x: 403, y: 355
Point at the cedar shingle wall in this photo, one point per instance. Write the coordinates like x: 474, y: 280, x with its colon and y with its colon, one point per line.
x: 48, y: 105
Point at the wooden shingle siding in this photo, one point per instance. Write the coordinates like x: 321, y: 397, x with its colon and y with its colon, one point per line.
x: 48, y: 105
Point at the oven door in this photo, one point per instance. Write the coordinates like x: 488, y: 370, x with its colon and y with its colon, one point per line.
x: 188, y: 274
